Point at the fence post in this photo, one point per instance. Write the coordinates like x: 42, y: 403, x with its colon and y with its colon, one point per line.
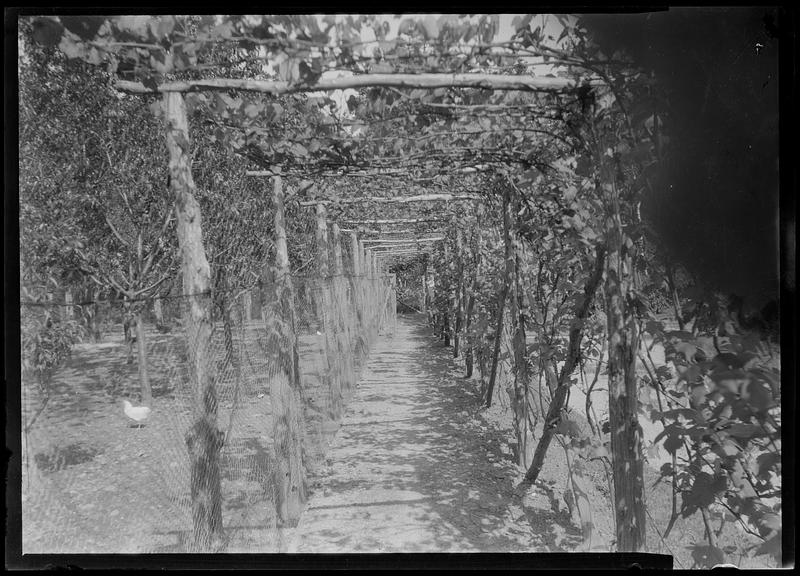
x: 69, y: 310
x: 287, y: 417
x: 424, y: 308
x: 204, y: 439
x: 446, y: 289
x: 342, y: 312
x: 328, y: 323
x: 368, y: 299
x: 458, y: 283
x: 247, y: 304
x: 357, y: 297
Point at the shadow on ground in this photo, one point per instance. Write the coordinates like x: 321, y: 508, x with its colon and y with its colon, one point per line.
x: 430, y: 451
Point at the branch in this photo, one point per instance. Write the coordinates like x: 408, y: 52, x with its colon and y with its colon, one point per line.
x: 117, y: 234
x: 484, y: 81
x: 153, y: 286
x: 149, y: 262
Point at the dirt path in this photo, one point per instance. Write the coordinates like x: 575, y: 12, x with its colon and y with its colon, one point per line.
x: 412, y: 469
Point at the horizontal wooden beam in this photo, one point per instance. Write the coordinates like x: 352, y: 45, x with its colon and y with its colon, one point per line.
x: 395, y: 199
x: 376, y: 221
x: 383, y: 248
x: 389, y: 172
x: 380, y: 241
x: 375, y: 231
x: 525, y: 82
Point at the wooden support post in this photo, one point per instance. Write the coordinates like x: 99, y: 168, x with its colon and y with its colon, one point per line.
x: 325, y: 308
x: 424, y: 300
x: 141, y: 355
x: 430, y: 295
x: 70, y: 311
x: 158, y: 311
x: 343, y: 313
x: 623, y: 394
x: 285, y: 387
x: 355, y: 250
x: 447, y: 290
x: 459, y: 288
x: 519, y: 398
x: 204, y: 439
x: 337, y: 249
x: 356, y: 341
x: 370, y: 284
x: 469, y: 353
x: 247, y: 304
x: 323, y: 250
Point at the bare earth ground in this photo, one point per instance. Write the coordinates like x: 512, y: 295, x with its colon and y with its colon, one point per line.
x: 414, y: 468
x: 419, y: 466
x: 94, y: 484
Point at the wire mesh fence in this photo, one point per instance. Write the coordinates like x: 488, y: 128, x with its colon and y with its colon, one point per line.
x: 234, y: 448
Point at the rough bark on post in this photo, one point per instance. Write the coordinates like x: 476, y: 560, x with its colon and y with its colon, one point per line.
x: 356, y: 296
x: 69, y: 309
x: 393, y: 301
x: 519, y: 402
x: 501, y: 298
x: 141, y: 349
x: 429, y: 296
x: 247, y: 306
x: 459, y: 303
x: 331, y: 378
x: 343, y: 313
x: 204, y: 439
x: 623, y: 343
x: 447, y: 289
x: 158, y: 311
x: 424, y: 307
x: 285, y: 387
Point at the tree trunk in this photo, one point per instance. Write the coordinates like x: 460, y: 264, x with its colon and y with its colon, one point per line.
x: 141, y: 348
x: 204, y: 439
x: 626, y: 434
x: 559, y: 398
x: 285, y: 388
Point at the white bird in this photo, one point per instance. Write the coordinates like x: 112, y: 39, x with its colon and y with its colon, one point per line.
x: 136, y: 413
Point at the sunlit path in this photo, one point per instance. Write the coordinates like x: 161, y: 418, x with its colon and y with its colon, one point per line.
x: 410, y: 470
